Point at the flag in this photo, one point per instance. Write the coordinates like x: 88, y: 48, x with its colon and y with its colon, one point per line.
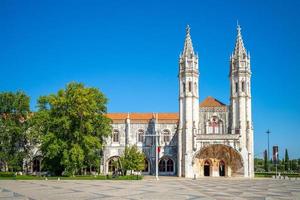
x: 275, y: 154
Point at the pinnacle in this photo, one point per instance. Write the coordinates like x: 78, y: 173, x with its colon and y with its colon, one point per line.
x: 239, y: 49
x: 188, y: 49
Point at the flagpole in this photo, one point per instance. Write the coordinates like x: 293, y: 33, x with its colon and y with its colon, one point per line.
x: 156, y: 157
x: 276, y: 164
x: 156, y: 137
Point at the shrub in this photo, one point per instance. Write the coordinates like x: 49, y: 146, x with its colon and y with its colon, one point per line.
x: 7, y: 174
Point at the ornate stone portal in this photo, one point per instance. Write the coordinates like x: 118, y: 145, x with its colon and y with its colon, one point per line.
x: 218, y: 160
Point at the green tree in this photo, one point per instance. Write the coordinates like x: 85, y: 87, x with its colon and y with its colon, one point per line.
x: 14, y: 112
x: 286, y: 160
x: 73, y: 128
x: 132, y: 159
x: 294, y: 165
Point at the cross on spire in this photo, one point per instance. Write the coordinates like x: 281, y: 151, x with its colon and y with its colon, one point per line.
x: 239, y: 49
x: 188, y: 49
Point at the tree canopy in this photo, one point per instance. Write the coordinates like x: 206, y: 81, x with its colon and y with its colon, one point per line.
x: 14, y: 111
x: 286, y: 160
x: 132, y: 159
x: 73, y: 128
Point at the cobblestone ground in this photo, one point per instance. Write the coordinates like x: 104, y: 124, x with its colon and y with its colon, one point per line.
x: 165, y: 188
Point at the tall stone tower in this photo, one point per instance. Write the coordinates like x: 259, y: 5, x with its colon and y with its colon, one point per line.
x: 240, y: 102
x: 188, y: 107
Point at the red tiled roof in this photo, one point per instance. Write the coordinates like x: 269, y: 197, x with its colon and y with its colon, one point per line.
x: 144, y: 117
x: 211, y: 102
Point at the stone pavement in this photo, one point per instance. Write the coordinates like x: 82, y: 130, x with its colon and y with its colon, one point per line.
x: 165, y: 188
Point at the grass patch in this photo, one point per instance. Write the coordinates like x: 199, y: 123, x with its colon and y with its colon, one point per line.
x: 101, y: 177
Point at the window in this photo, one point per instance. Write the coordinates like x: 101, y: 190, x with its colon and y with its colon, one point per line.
x: 166, y: 165
x: 236, y: 87
x: 183, y: 87
x: 170, y: 165
x: 115, y: 136
x: 166, y: 135
x: 162, y: 165
x: 190, y: 86
x: 195, y: 88
x: 140, y: 136
x: 243, y: 86
x: 214, y: 126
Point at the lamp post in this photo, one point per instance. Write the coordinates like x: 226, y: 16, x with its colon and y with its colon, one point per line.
x: 276, y: 154
x: 156, y: 136
x: 268, y: 132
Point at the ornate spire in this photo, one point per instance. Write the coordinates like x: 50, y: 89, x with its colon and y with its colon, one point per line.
x: 239, y: 49
x: 188, y: 45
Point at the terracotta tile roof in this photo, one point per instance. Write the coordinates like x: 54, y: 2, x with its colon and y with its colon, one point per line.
x: 173, y: 116
x: 211, y: 102
x: 116, y: 115
x: 144, y: 117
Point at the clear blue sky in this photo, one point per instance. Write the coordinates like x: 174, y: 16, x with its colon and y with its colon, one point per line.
x: 130, y: 49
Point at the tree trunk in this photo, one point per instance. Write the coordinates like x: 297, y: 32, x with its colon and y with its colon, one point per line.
x: 5, y: 166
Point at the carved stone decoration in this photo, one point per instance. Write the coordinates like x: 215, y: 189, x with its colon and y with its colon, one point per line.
x: 224, y: 153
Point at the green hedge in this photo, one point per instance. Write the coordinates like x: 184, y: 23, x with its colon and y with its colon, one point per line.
x: 7, y: 174
x: 100, y: 177
x: 270, y: 174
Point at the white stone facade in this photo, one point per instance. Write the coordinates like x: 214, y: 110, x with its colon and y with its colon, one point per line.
x: 207, y: 139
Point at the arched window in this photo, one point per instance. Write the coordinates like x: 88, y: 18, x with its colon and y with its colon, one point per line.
x: 183, y: 87
x: 243, y: 86
x: 162, y: 165
x: 115, y: 136
x: 215, y: 126
x: 113, y: 164
x: 166, y: 165
x: 170, y: 165
x: 166, y: 135
x: 140, y: 136
x: 190, y: 86
x: 236, y: 86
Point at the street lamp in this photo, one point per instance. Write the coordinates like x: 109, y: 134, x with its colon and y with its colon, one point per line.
x: 268, y: 132
x: 156, y: 136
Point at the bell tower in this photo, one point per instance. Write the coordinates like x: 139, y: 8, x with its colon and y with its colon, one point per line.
x: 188, y: 106
x: 240, y: 102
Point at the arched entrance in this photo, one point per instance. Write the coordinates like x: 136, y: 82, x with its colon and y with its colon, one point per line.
x: 146, y: 169
x: 221, y: 168
x: 36, y: 164
x: 113, y: 164
x: 206, y: 168
x: 218, y: 160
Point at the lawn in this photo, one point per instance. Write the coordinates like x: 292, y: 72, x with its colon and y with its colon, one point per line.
x: 101, y: 177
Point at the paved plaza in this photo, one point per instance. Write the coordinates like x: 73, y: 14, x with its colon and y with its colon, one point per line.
x: 165, y: 188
